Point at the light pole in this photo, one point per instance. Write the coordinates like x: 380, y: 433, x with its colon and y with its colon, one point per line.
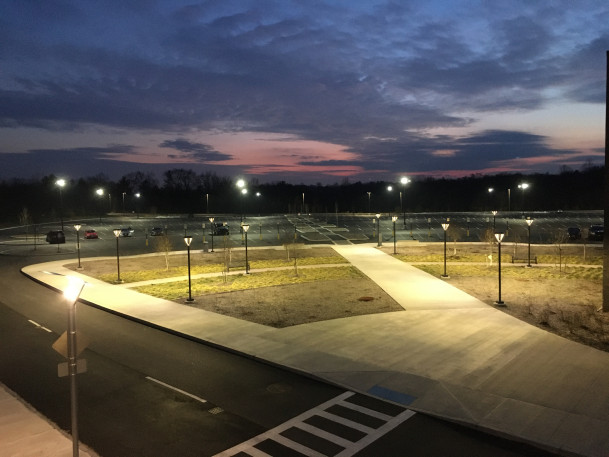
x: 494, y: 215
x: 100, y: 194
x: 117, y: 234
x: 124, y: 201
x: 77, y: 228
x: 246, y: 227
x: 211, y: 219
x: 369, y: 194
x: 303, y: 205
x: 393, y: 219
x: 188, y: 240
x: 403, y: 180
x: 499, y: 237
x: 390, y: 189
x: 71, y: 295
x: 241, y: 185
x: 137, y: 198
x: 523, y: 186
x: 445, y: 227
x: 61, y: 184
x: 529, y: 222
x: 378, y: 227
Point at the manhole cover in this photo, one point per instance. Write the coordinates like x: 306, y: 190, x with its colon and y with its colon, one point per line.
x: 216, y: 410
x: 278, y: 388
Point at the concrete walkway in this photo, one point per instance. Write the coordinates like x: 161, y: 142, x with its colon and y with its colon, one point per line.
x: 447, y: 354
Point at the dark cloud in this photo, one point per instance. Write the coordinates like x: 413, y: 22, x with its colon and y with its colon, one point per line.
x: 200, y: 152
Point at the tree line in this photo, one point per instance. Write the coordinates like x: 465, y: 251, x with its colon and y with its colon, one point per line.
x: 182, y: 191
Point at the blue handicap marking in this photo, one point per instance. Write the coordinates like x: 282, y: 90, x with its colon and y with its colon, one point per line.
x: 391, y: 395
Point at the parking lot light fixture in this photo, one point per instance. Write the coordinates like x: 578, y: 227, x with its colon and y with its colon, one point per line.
x: 445, y: 227
x: 61, y: 183
x: 188, y: 241
x: 77, y: 228
x: 117, y: 234
x: 246, y: 227
x: 393, y: 219
x: 378, y: 227
x: 494, y: 216
x: 499, y: 238
x: 529, y: 222
x: 211, y: 220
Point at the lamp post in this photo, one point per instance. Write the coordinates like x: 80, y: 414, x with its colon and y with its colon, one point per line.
x: 71, y: 295
x: 369, y: 194
x: 241, y: 185
x: 77, y: 228
x: 211, y: 219
x: 523, y: 186
x: 378, y: 227
x: 445, y: 227
x: 100, y: 194
x: 499, y: 237
x: 393, y: 219
x: 494, y: 215
x: 117, y: 234
x: 403, y: 180
x: 529, y: 222
x: 246, y: 227
x: 188, y: 240
x: 61, y: 184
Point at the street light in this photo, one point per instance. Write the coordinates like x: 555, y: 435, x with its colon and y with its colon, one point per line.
x: 403, y: 180
x: 529, y: 222
x: 523, y: 186
x: 378, y: 227
x: 71, y: 294
x: 445, y: 227
x: 117, y: 233
x: 77, y: 228
x: 499, y: 237
x: 369, y: 194
x: 61, y: 184
x: 246, y: 227
x: 211, y: 219
x: 188, y: 240
x: 393, y: 219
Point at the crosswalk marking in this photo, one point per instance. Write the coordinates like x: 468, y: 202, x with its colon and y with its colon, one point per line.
x: 349, y: 447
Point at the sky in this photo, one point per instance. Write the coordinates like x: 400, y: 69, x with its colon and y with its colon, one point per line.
x: 302, y: 91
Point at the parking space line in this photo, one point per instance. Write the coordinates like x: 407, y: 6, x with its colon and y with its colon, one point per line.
x: 183, y: 392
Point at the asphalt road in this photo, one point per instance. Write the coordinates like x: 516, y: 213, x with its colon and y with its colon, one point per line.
x: 151, y: 393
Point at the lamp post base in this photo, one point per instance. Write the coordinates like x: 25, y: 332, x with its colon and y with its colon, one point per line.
x: 190, y: 300
x: 444, y: 276
x: 500, y: 303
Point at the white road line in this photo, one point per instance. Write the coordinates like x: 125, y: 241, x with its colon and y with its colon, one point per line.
x: 33, y: 323
x: 36, y: 324
x: 177, y: 390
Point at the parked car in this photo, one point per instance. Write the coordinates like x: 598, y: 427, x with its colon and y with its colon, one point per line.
x: 574, y: 233
x: 90, y: 234
x: 56, y: 237
x: 156, y: 231
x: 219, y: 229
x: 126, y: 231
x: 596, y: 232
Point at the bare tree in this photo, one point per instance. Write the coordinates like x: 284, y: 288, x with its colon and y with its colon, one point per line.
x: 25, y: 219
x: 163, y: 244
x: 559, y: 240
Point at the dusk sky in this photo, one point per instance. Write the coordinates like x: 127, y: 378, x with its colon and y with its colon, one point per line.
x: 301, y: 91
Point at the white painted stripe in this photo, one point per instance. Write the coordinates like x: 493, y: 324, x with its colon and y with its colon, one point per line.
x: 253, y: 452
x: 46, y: 329
x: 361, y: 444
x: 349, y: 423
x: 297, y: 447
x: 342, y: 442
x: 33, y: 322
x: 183, y: 392
x: 369, y: 412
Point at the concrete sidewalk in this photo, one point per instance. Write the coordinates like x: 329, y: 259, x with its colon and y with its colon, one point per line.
x: 447, y: 354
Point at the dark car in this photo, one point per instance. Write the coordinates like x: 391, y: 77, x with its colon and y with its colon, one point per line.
x: 219, y: 228
x: 90, y: 234
x: 56, y: 237
x: 596, y: 232
x: 574, y: 233
x: 156, y: 231
x: 126, y: 231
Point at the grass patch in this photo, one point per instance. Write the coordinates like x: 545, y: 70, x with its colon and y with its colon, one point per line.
x: 536, y: 273
x: 148, y: 275
x: 179, y: 289
x: 505, y: 257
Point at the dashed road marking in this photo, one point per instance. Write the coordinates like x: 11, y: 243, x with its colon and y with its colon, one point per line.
x: 349, y: 448
x: 183, y: 392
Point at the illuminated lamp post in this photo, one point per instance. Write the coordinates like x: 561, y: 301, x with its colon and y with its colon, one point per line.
x: 378, y: 227
x: 61, y: 184
x: 369, y: 194
x: 494, y: 215
x: 77, y: 228
x: 529, y: 222
x: 403, y: 180
x: 188, y: 240
x: 523, y: 186
x: 241, y: 185
x: 393, y: 219
x: 71, y: 295
x: 117, y: 234
x: 211, y: 219
x: 499, y: 237
x: 445, y: 227
x: 246, y: 227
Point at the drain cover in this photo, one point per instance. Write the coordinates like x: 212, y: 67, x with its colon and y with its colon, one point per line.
x: 216, y: 410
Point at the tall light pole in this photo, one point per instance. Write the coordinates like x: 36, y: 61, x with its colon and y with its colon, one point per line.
x: 117, y: 234
x: 77, y: 228
x: 369, y: 194
x: 124, y: 201
x: 523, y: 186
x: 71, y: 295
x: 499, y: 237
x: 243, y: 190
x: 445, y: 227
x: 390, y: 189
x: 61, y: 184
x: 494, y: 215
x: 403, y: 180
x: 393, y: 219
x: 211, y: 220
x: 378, y: 227
x: 246, y: 227
x: 529, y: 222
x: 188, y: 240
x: 303, y: 205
